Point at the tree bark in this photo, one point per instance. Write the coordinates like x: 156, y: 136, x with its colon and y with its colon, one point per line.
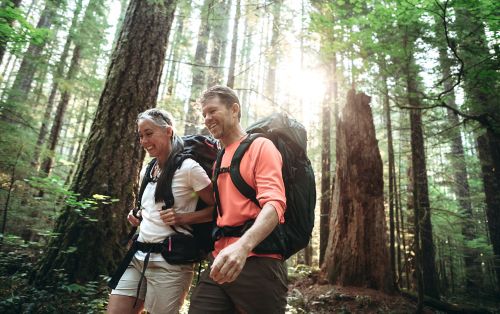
x: 356, y: 254
x: 88, y: 239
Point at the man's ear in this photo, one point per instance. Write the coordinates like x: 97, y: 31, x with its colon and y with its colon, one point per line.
x: 235, y: 108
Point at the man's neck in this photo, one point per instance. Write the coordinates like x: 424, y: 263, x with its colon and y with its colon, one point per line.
x: 233, y: 137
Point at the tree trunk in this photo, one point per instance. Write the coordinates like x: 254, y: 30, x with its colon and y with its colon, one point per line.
x: 390, y: 154
x: 488, y: 146
x: 88, y: 239
x: 60, y: 112
x: 234, y: 45
x: 274, y: 51
x: 119, y: 23
x: 55, y: 85
x: 245, y: 52
x: 177, y: 46
x: 81, y: 136
x: 481, y: 87
x: 420, y: 186
x: 19, y: 91
x: 356, y: 254
x: 222, y: 9
x: 326, y: 180
x: 83, y: 41
x: 198, y: 69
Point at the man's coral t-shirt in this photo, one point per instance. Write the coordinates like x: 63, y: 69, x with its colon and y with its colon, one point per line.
x: 261, y: 168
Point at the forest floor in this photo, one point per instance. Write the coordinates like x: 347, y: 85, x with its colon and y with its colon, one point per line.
x: 306, y: 295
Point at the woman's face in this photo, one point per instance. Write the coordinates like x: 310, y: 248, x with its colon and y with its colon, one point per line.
x: 156, y: 140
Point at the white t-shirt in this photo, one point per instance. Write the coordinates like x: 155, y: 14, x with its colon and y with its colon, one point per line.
x: 188, y: 179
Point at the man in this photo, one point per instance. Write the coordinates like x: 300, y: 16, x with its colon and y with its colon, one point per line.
x: 238, y: 280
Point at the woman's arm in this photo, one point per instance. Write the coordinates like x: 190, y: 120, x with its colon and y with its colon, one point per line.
x: 170, y: 217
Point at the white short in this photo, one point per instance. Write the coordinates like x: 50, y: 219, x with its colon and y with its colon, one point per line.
x: 163, y: 288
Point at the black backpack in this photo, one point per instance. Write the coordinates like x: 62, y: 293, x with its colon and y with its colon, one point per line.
x: 290, y: 138
x: 202, y: 149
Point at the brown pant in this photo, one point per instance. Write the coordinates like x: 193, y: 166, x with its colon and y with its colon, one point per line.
x: 261, y: 287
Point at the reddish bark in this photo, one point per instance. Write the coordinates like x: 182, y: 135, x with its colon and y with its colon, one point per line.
x: 357, y: 254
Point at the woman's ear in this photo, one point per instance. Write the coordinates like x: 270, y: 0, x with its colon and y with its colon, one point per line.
x: 170, y: 131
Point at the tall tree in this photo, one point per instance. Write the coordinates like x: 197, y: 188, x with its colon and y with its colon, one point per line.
x: 58, y: 75
x: 222, y: 9
x: 19, y: 91
x: 88, y: 34
x: 419, y: 175
x: 391, y: 168
x: 178, y: 46
x: 234, y: 45
x: 461, y: 183
x: 87, y: 242
x: 481, y: 81
x: 356, y: 253
x: 199, y: 68
x: 270, y: 88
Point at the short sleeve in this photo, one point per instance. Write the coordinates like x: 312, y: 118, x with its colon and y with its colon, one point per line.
x: 198, y: 178
x: 268, y: 177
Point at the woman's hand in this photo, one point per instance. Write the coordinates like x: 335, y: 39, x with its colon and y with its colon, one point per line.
x: 170, y: 217
x: 134, y: 221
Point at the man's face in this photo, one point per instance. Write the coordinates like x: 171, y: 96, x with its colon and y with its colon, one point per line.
x: 219, y: 119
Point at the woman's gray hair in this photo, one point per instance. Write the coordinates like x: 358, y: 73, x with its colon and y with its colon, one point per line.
x: 163, y: 119
x: 159, y: 117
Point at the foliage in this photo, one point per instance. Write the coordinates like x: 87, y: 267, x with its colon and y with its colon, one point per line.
x: 15, y: 30
x: 17, y: 295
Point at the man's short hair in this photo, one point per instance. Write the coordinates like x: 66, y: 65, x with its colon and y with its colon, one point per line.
x: 226, y: 95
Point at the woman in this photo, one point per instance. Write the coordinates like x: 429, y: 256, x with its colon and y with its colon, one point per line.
x: 164, y: 286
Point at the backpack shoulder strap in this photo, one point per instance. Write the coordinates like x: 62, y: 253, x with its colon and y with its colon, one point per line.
x: 168, y: 195
x: 234, y: 170
x: 145, y: 180
x: 218, y: 161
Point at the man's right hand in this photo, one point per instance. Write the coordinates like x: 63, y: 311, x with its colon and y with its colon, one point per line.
x: 134, y: 221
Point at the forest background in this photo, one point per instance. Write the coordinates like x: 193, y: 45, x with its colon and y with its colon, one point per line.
x: 407, y: 180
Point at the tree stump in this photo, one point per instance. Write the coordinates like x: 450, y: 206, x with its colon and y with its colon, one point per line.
x: 357, y: 253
